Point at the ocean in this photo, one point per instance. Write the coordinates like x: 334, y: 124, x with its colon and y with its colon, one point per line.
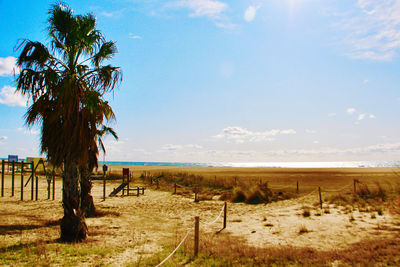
x: 333, y: 164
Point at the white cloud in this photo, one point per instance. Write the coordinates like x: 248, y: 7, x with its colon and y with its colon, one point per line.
x: 372, y: 116
x: 2, y: 139
x: 133, y: 36
x: 203, y: 8
x: 10, y: 98
x: 250, y: 13
x: 7, y: 66
x: 361, y: 117
x: 171, y: 147
x: 351, y: 111
x: 32, y: 132
x: 374, y: 30
x: 240, y: 135
x: 316, y: 142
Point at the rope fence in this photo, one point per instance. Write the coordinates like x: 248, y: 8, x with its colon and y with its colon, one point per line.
x: 196, y: 237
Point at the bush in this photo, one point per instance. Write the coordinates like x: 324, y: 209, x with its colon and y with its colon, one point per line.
x: 256, y: 196
x: 238, y: 195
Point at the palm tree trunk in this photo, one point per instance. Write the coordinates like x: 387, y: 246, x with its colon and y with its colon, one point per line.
x: 73, y: 226
x: 87, y: 200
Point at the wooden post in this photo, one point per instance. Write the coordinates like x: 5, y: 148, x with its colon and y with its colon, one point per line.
x: 22, y: 180
x: 355, y: 186
x: 174, y: 188
x: 142, y: 190
x: 37, y: 188
x: 48, y: 179
x: 12, y: 178
x: 104, y: 185
x: 2, y: 177
x: 225, y: 210
x: 137, y: 191
x: 127, y: 180
x: 196, y: 235
x: 297, y: 190
x: 320, y: 197
x: 33, y: 180
x: 54, y: 183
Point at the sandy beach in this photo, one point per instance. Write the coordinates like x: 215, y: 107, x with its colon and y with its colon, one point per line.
x: 140, y: 227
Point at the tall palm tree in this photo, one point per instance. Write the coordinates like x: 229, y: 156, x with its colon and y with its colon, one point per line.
x: 66, y: 83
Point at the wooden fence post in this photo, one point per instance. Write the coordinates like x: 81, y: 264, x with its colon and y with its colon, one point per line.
x: 174, y: 188
x: 54, y: 183
x: 297, y: 184
x: 355, y: 186
x: 320, y: 197
x: 22, y: 180
x: 12, y: 178
x: 137, y: 191
x: 33, y: 180
x: 225, y: 210
x: 2, y: 177
x: 37, y: 188
x: 104, y: 185
x: 196, y: 235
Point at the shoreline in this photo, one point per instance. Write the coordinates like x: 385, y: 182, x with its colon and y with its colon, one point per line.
x: 196, y: 169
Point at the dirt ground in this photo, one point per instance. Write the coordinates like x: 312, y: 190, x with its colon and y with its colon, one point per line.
x: 142, y: 225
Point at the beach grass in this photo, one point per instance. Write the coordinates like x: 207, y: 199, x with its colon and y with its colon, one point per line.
x: 142, y: 231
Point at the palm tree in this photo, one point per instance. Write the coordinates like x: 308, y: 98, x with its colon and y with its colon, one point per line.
x: 66, y: 83
x: 86, y: 185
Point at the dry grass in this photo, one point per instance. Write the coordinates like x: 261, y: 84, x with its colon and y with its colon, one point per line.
x: 127, y: 233
x: 225, y: 250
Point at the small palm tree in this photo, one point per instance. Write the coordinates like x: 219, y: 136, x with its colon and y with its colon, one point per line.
x: 66, y: 83
x: 86, y: 184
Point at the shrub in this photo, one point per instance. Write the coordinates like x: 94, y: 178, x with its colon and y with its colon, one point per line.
x: 255, y: 196
x: 303, y: 230
x: 238, y: 195
x: 306, y: 212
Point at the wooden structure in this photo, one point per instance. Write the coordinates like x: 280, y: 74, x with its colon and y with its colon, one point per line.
x: 27, y: 167
x: 125, y: 185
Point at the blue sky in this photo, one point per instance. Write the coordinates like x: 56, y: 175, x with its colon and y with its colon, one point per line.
x: 233, y: 81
